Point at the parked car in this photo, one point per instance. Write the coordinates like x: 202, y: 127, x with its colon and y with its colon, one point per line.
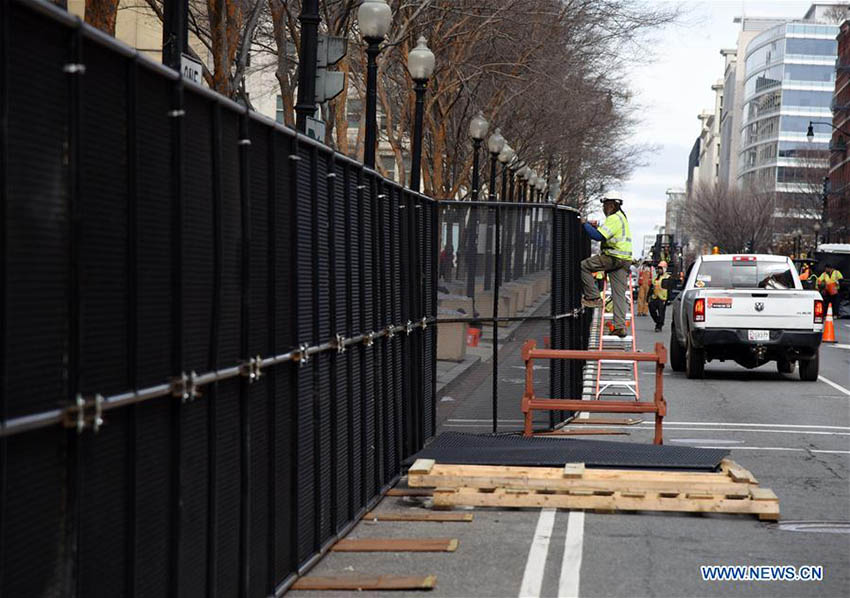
x: 747, y: 308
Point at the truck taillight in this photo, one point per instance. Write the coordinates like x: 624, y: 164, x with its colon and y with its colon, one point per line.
x: 818, y: 311
x: 699, y: 310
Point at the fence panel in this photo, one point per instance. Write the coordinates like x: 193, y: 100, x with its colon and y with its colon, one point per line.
x: 227, y: 296
x: 538, y: 242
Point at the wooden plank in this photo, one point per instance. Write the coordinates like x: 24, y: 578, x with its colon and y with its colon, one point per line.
x: 408, y: 492
x: 763, y: 494
x: 573, y: 470
x: 606, y: 421
x: 360, y: 583
x: 421, y: 466
x: 736, y: 472
x: 543, y: 478
x: 617, y: 502
x: 396, y: 545
x: 590, y: 432
x: 418, y: 516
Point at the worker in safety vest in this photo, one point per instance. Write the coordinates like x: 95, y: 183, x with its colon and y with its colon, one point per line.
x: 614, y: 259
x: 658, y: 302
x: 644, y: 280
x: 828, y: 286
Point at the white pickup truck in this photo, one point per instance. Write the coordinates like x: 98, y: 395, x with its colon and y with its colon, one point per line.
x: 747, y: 308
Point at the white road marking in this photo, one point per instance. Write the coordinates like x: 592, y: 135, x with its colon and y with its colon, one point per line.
x: 532, y: 579
x: 571, y: 563
x: 488, y: 421
x: 751, y: 431
x: 774, y: 448
x: 834, y: 385
x: 839, y: 346
x: 666, y: 423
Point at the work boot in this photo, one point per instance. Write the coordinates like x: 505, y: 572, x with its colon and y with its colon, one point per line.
x: 658, y: 329
x: 597, y: 302
x: 621, y: 332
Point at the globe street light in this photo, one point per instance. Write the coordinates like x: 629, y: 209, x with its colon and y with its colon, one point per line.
x: 477, y: 131
x: 374, y: 18
x: 494, y: 144
x: 420, y: 63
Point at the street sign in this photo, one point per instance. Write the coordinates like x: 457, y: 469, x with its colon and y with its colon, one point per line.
x: 191, y: 69
x: 316, y: 129
x: 329, y: 84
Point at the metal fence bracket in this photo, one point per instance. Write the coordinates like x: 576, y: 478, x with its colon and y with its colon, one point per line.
x: 85, y: 413
x: 301, y: 355
x: 185, y: 387
x: 251, y: 369
x: 339, y: 343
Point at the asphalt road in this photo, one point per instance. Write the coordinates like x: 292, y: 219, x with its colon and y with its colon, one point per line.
x: 794, y: 436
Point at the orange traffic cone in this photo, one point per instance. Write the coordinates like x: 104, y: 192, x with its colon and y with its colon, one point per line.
x: 829, y: 327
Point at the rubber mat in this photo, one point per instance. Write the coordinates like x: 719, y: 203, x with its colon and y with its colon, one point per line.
x: 489, y: 449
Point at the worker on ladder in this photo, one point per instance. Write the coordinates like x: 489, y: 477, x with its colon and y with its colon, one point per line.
x: 614, y: 259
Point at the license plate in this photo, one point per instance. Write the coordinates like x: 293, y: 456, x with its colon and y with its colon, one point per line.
x: 758, y: 335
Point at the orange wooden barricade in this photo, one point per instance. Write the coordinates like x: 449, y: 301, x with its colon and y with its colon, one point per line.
x: 531, y: 403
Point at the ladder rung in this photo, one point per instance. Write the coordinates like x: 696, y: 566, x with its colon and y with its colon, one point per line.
x: 612, y: 338
x: 629, y: 361
x: 616, y: 383
x: 611, y: 316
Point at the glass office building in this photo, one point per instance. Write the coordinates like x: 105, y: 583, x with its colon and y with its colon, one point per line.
x: 790, y: 79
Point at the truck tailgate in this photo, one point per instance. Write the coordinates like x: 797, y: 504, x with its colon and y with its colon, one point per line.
x: 759, y: 309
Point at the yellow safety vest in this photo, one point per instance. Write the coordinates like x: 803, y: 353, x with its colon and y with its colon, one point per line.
x: 658, y: 291
x: 618, y: 237
x: 824, y: 279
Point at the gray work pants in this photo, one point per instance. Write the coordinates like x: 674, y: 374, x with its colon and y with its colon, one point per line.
x: 618, y: 273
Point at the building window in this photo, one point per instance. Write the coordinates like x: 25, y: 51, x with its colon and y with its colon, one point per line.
x: 278, y: 116
x: 355, y: 109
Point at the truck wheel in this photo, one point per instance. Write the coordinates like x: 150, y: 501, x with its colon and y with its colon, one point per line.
x: 784, y: 366
x: 694, y: 362
x: 809, y: 369
x: 677, y: 352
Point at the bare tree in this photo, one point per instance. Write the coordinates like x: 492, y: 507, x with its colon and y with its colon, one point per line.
x: 731, y: 218
x: 102, y: 14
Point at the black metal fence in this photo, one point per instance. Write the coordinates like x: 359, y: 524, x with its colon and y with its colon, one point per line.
x: 488, y: 245
x: 216, y: 335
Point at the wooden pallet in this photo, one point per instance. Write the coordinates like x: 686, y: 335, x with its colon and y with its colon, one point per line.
x: 732, y: 490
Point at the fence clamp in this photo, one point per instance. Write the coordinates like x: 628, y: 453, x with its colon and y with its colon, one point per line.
x: 424, y: 322
x: 301, y: 355
x: 339, y: 343
x: 74, y: 68
x: 390, y: 331
x: 408, y: 327
x: 369, y: 339
x: 85, y: 413
x: 251, y: 368
x: 185, y: 387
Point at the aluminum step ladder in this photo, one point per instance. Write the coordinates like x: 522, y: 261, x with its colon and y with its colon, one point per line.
x: 617, y: 377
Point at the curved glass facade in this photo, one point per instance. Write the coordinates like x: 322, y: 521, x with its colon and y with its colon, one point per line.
x: 790, y: 78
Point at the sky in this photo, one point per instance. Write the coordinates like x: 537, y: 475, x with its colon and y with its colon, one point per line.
x: 674, y: 85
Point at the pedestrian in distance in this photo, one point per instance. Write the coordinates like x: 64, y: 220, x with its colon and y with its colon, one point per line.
x: 614, y: 259
x: 446, y: 259
x: 644, y: 280
x: 828, y: 285
x: 658, y: 303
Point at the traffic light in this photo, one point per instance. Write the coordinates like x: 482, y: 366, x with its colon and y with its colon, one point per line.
x: 329, y: 84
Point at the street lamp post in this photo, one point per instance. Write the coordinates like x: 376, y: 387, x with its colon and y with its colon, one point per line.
x: 505, y: 156
x: 306, y: 104
x: 494, y: 144
x: 816, y: 228
x: 477, y: 131
x: 420, y: 63
x: 513, y: 170
x: 374, y: 18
